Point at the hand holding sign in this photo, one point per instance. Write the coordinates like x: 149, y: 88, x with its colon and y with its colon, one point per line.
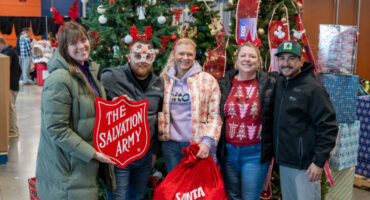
x: 103, y: 158
x: 121, y: 130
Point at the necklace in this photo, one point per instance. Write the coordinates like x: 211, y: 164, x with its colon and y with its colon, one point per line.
x: 249, y: 92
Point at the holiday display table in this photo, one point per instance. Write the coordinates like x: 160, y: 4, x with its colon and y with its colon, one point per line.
x: 363, y: 115
x: 343, y: 187
x: 342, y: 90
x: 346, y: 150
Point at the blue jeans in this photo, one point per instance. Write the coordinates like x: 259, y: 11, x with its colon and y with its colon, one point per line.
x: 25, y: 66
x: 132, y: 180
x: 243, y: 171
x: 296, y: 186
x: 171, y: 152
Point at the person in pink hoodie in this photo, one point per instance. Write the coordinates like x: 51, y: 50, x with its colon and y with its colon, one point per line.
x: 190, y: 106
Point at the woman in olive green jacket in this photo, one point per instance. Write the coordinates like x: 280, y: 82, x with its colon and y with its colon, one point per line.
x: 67, y: 163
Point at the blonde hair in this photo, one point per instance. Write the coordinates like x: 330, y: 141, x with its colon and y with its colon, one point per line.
x: 259, y: 57
x: 171, y: 57
x: 72, y: 32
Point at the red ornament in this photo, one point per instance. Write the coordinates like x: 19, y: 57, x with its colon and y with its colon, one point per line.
x: 121, y: 130
x: 173, y: 37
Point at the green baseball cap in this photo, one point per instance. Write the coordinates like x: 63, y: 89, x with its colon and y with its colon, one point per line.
x: 289, y: 47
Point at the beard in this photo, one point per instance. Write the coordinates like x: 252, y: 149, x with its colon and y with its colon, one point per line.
x: 141, y: 71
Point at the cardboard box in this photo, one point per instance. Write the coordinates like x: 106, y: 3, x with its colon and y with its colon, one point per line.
x: 4, y: 102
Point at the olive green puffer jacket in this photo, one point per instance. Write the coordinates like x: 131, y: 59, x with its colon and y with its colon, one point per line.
x: 65, y: 167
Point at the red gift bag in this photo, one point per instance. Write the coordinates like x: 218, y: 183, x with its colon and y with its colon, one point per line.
x: 193, y: 178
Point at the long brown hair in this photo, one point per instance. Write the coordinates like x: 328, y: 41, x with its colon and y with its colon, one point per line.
x: 70, y: 33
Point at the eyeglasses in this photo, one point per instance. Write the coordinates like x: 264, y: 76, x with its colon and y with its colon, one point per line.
x: 148, y: 56
x: 143, y: 57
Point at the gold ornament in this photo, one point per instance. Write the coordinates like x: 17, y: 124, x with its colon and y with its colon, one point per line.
x: 300, y: 6
x: 123, y: 8
x: 283, y: 19
x: 261, y: 31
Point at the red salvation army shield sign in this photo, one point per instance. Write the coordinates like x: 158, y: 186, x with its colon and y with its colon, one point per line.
x: 121, y: 129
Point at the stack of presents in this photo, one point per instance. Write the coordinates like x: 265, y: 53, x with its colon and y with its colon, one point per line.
x: 350, y: 155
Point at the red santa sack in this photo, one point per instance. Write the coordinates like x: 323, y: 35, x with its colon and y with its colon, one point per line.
x: 192, y: 179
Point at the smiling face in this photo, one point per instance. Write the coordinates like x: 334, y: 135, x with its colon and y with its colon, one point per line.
x: 79, y: 50
x: 140, y: 67
x: 184, y: 56
x: 289, y: 64
x: 247, y: 61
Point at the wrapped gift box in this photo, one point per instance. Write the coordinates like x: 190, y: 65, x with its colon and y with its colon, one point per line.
x: 363, y: 114
x: 363, y: 109
x: 363, y: 167
x: 346, y: 150
x: 336, y: 53
x: 343, y: 185
x: 342, y: 90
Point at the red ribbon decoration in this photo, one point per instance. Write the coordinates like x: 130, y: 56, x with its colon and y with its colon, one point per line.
x: 256, y: 42
x: 177, y: 12
x: 194, y: 8
x: 112, y: 1
x: 164, y: 41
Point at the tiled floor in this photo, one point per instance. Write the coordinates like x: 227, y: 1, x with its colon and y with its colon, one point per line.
x: 23, y: 150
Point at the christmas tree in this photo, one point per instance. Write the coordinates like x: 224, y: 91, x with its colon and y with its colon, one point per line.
x: 288, y: 12
x: 109, y: 29
x: 199, y: 20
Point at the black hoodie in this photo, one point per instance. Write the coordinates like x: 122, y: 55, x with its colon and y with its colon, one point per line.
x: 15, y: 68
x: 305, y: 128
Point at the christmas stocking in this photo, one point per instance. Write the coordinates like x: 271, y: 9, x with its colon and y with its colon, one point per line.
x: 246, y: 19
x: 278, y: 32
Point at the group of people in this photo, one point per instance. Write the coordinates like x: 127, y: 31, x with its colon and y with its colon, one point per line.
x: 242, y: 121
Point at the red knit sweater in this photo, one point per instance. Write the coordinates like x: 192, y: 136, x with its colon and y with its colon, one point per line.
x: 242, y: 114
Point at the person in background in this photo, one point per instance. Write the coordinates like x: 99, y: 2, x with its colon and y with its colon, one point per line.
x: 67, y: 163
x: 305, y: 128
x: 136, y: 81
x: 247, y: 102
x: 15, y: 73
x: 53, y: 41
x: 190, y: 106
x: 25, y: 55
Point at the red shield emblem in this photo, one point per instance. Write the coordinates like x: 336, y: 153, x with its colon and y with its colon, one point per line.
x: 121, y: 129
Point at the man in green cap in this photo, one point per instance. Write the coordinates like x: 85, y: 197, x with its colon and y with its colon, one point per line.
x: 305, y: 128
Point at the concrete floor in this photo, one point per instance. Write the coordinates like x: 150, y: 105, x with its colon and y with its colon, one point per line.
x: 23, y: 150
